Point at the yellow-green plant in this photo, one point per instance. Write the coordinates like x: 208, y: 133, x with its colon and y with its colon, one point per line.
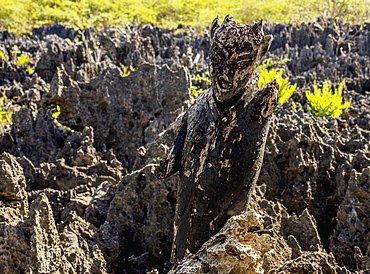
x: 2, y: 55
x: 5, y: 112
x: 56, y: 114
x: 327, y: 102
x: 269, y: 71
x: 126, y: 70
x: 19, y: 58
x: 194, y: 92
x: 204, y: 80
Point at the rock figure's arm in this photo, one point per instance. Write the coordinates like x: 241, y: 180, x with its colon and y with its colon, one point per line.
x: 172, y: 163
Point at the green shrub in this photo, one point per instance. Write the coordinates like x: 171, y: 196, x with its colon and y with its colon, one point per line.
x: 2, y: 55
x: 325, y: 102
x: 202, y: 78
x: 269, y: 72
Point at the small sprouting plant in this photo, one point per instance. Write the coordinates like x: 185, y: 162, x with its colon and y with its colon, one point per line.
x: 56, y: 114
x: 20, y: 58
x: 203, y: 80
x: 5, y: 112
x: 327, y: 102
x: 80, y: 36
x: 126, y: 70
x: 2, y: 55
x: 269, y: 71
x: 194, y: 92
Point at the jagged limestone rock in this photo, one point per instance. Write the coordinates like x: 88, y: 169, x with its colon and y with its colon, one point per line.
x: 45, y: 252
x: 139, y: 222
x: 13, y: 197
x: 241, y: 246
x: 33, y: 246
x: 304, y: 230
x: 12, y: 181
x: 315, y: 262
x: 351, y: 233
x: 76, y: 241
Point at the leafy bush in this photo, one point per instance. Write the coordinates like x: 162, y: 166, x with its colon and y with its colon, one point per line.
x: 202, y: 78
x: 194, y: 92
x: 20, y: 16
x: 325, y: 102
x: 269, y: 72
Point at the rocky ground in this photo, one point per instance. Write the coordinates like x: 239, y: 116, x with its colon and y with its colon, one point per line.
x: 77, y: 190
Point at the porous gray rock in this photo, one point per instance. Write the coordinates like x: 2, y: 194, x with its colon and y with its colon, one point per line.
x: 241, y: 246
x: 139, y: 221
x: 13, y: 196
x: 316, y: 262
x: 12, y: 181
x: 350, y: 238
x: 33, y: 245
x: 84, y: 255
x: 45, y: 253
x: 304, y: 230
x: 115, y: 113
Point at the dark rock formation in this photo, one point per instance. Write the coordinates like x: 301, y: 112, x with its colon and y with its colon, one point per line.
x: 219, y: 149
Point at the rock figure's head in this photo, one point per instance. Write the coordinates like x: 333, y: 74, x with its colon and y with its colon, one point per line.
x: 236, y: 52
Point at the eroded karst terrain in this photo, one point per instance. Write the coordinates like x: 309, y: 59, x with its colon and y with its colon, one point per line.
x: 78, y: 193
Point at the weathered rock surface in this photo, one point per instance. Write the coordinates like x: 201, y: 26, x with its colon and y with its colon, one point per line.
x: 242, y: 246
x: 77, y: 192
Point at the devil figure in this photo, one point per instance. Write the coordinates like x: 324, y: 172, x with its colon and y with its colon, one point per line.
x: 220, y: 146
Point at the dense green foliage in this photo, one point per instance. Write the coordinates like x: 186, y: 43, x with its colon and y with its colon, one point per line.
x: 326, y: 102
x: 20, y: 16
